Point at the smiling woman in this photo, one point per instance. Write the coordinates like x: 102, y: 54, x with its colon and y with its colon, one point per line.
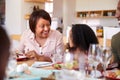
x: 40, y: 41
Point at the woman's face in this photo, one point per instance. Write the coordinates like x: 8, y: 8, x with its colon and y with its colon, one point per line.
x: 70, y: 39
x: 42, y: 28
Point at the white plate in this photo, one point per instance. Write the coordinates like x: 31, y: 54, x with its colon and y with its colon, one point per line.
x: 22, y: 56
x: 41, y: 64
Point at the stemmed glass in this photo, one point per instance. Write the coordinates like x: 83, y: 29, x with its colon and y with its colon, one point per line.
x: 107, y: 55
x: 68, y: 60
x: 94, y: 58
x: 57, y: 56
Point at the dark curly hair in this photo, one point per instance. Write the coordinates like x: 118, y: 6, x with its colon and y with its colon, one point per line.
x: 37, y: 15
x: 82, y: 36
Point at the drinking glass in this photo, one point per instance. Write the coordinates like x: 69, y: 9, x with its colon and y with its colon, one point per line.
x: 107, y: 56
x: 94, y: 58
x: 57, y: 56
x: 68, y: 60
x: 82, y: 63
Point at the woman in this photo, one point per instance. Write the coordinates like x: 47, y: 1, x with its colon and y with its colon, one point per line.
x: 40, y: 41
x: 4, y: 52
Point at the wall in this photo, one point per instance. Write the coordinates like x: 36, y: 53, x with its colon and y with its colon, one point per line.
x: 109, y: 22
x: 57, y: 14
x: 68, y: 13
x: 13, y: 16
x: 106, y: 22
x: 15, y: 12
x: 58, y: 8
x: 86, y: 5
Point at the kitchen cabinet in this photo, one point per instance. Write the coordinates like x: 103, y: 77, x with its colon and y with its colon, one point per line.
x: 40, y: 1
x: 96, y: 14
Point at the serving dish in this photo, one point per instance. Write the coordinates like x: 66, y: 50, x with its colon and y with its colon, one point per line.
x: 112, y: 74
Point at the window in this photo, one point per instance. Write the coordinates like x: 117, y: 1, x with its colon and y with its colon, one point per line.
x: 49, y: 7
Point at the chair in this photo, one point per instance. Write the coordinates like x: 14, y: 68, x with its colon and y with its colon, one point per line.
x: 15, y: 39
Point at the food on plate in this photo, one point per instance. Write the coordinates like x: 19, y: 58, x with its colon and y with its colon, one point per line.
x: 57, y: 65
x: 117, y: 72
x: 21, y: 57
x: 75, y: 65
x: 113, y: 74
x: 69, y: 65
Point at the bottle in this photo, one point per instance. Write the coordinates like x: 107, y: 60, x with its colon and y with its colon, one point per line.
x: 34, y: 8
x: 37, y: 7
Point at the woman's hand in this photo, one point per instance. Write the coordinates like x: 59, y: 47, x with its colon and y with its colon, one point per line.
x: 30, y: 54
x: 33, y: 54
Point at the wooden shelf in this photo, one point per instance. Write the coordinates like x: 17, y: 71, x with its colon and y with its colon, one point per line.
x: 96, y: 14
x: 34, y: 1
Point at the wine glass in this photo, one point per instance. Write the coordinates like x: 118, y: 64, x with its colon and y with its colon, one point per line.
x: 107, y: 56
x: 94, y: 58
x: 68, y: 60
x: 83, y: 65
x: 57, y: 56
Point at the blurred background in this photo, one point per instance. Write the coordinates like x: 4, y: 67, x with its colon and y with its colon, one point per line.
x: 14, y: 14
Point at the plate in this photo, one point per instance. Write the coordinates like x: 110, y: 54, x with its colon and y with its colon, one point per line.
x: 109, y: 78
x: 41, y: 64
x: 21, y: 58
x: 112, y: 74
x: 58, y: 65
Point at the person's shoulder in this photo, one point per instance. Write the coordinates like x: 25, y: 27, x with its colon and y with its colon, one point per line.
x: 117, y: 35
x: 55, y: 33
x: 27, y: 33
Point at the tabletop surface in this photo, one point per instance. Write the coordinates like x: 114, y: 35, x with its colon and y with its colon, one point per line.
x: 36, y: 73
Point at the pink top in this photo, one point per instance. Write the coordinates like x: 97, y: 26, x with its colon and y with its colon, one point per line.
x: 53, y: 45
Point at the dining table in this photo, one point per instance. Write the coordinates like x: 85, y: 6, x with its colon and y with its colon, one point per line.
x: 37, y: 73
